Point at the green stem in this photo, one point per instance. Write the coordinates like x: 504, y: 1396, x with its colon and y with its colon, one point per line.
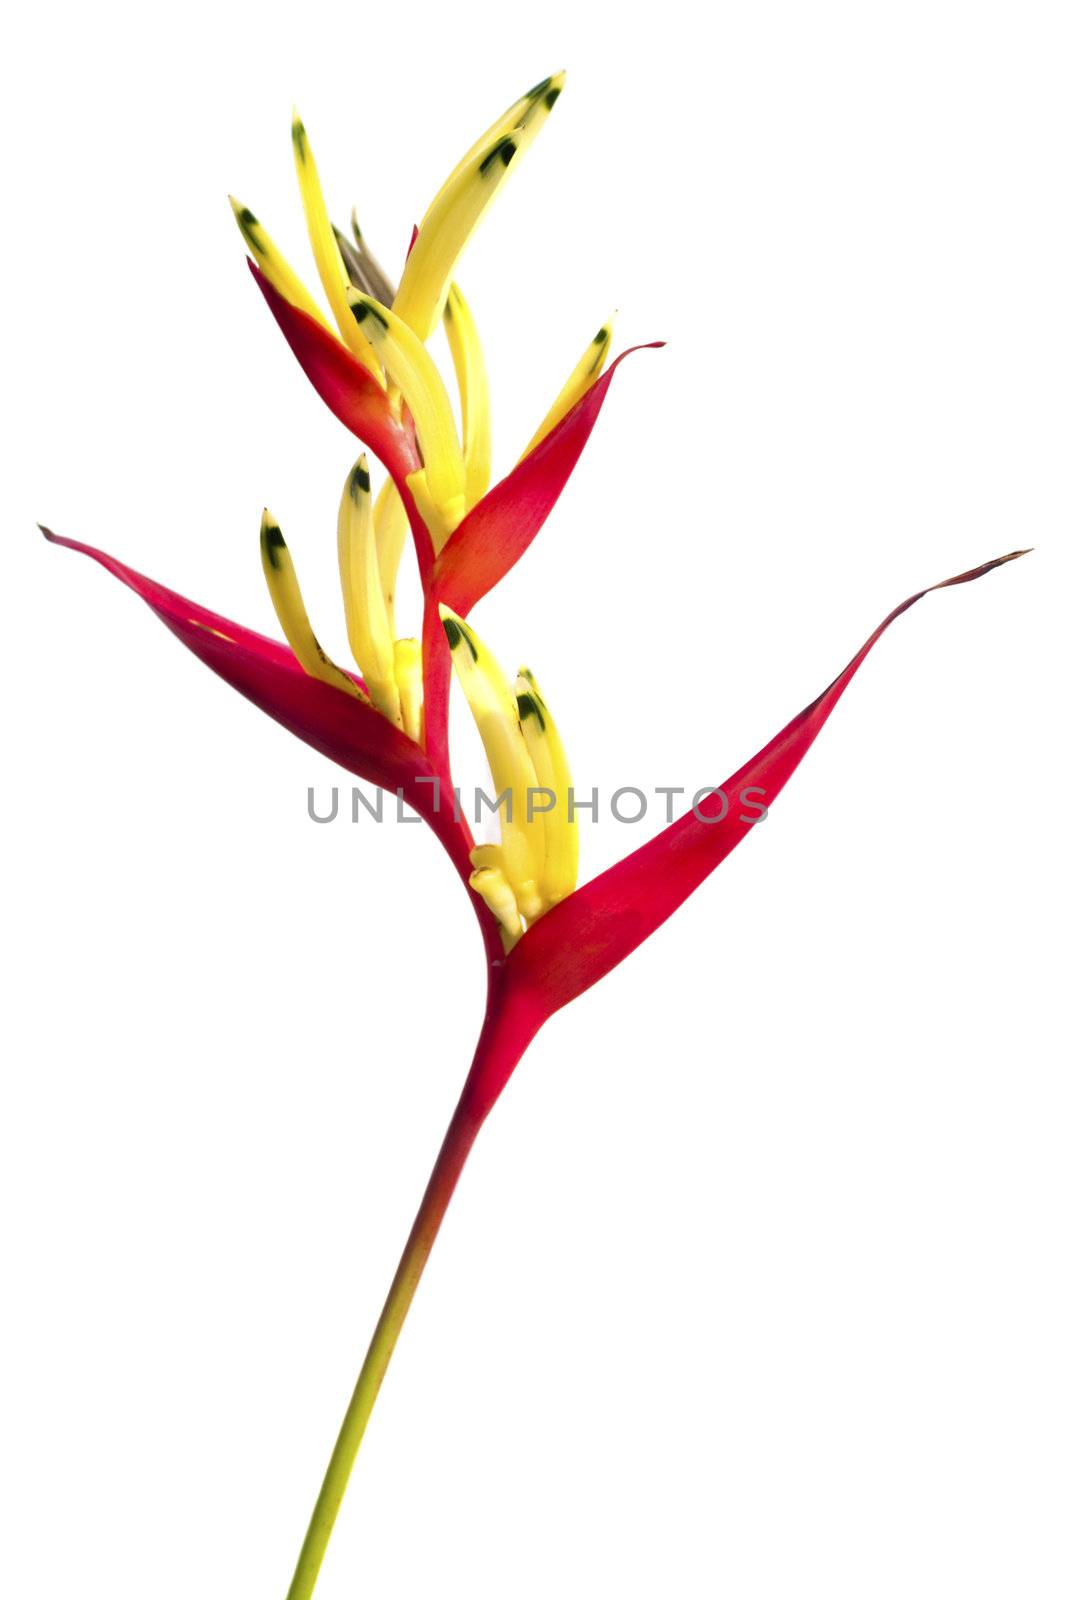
x: 504, y: 1038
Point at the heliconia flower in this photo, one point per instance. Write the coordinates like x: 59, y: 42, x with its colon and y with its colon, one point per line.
x: 462, y: 202
x: 439, y: 487
x: 473, y: 383
x: 554, y: 782
x: 588, y: 369
x: 288, y: 602
x: 546, y: 939
x: 367, y: 614
x: 537, y: 858
x: 327, y: 253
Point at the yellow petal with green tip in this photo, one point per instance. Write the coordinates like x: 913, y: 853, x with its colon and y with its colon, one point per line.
x: 499, y: 896
x: 473, y: 383
x: 548, y: 86
x: 407, y: 661
x: 288, y: 602
x: 582, y: 378
x: 390, y: 533
x: 370, y: 634
x: 273, y: 265
x: 408, y: 365
x: 522, y: 839
x: 326, y: 251
x: 553, y: 773
x: 459, y: 206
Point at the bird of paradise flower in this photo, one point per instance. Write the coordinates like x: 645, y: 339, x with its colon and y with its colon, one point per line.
x: 545, y: 939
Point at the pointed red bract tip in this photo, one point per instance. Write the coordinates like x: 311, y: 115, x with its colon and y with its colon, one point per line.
x: 346, y: 730
x: 349, y: 731
x: 978, y: 572
x: 497, y: 531
x: 585, y: 936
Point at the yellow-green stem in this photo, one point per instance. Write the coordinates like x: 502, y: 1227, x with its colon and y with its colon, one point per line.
x: 505, y: 1036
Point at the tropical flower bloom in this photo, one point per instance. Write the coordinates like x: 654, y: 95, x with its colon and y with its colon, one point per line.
x: 385, y: 718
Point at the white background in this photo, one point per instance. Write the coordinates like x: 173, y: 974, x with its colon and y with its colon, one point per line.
x: 755, y: 1284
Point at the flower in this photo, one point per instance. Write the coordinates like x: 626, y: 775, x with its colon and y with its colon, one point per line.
x: 546, y: 940
x: 536, y: 863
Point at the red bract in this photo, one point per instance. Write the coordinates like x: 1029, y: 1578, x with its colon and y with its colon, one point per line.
x: 585, y: 936
x: 496, y: 532
x: 354, y: 397
x: 344, y: 729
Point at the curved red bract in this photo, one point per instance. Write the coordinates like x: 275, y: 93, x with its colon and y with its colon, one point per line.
x: 585, y: 936
x: 342, y: 728
x: 347, y: 730
x: 496, y: 532
x: 352, y: 394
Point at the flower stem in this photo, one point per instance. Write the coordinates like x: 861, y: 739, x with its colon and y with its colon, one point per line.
x: 504, y: 1037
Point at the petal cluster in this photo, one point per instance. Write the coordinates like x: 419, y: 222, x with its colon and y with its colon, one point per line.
x: 535, y: 865
x: 385, y: 331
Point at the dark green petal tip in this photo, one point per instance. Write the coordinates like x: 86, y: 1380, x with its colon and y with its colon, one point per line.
x: 457, y: 634
x: 273, y: 543
x: 248, y: 223
x: 528, y: 707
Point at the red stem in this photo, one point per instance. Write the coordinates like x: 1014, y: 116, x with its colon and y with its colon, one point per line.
x: 510, y: 1024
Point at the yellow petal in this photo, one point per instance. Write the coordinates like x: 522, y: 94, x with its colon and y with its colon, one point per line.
x: 473, y: 384
x: 437, y: 525
x: 487, y: 855
x: 507, y: 119
x: 459, y: 206
x: 390, y: 533
x: 327, y: 254
x: 370, y: 635
x: 499, y: 896
x: 409, y: 366
x: 522, y: 839
x: 284, y: 589
x: 407, y: 661
x: 273, y: 265
x: 553, y: 773
x: 582, y: 378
